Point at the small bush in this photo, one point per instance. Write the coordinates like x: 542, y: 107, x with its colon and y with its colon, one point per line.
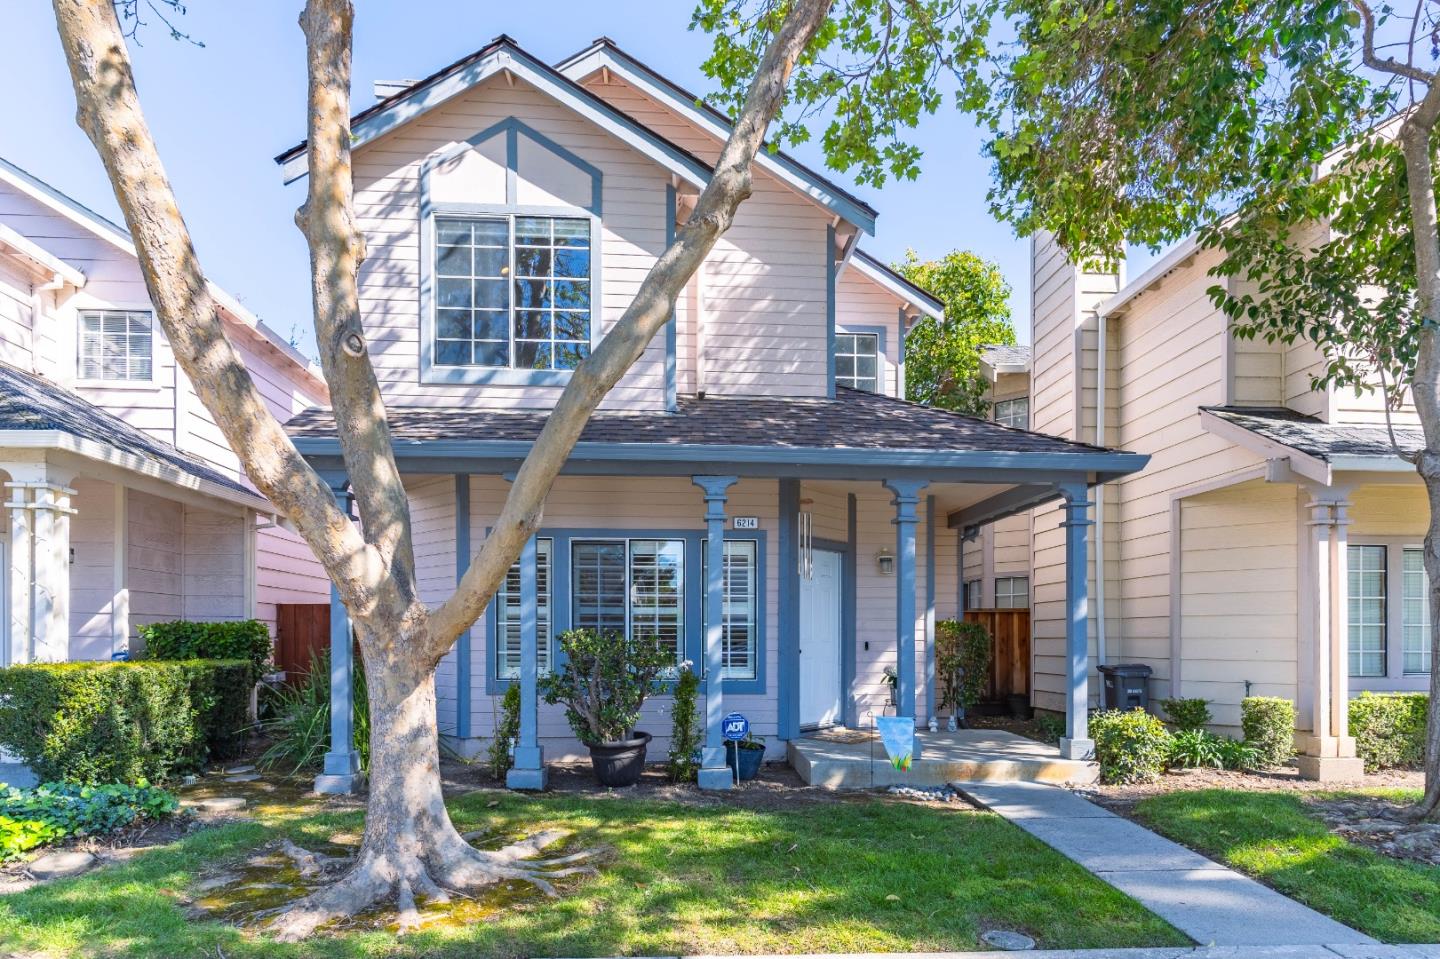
x: 1131, y: 747
x: 1195, y: 749
x: 1187, y: 714
x: 507, y: 730
x: 1052, y: 726
x: 1238, y: 754
x: 55, y: 811
x: 183, y: 639
x: 1268, y: 723
x: 685, y: 731
x: 962, y: 663
x: 301, y: 728
x: 1389, y: 729
x: 123, y: 722
x: 604, y: 681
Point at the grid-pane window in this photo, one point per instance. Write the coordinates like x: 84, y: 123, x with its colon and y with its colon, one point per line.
x: 1012, y: 592
x: 1014, y: 412
x: 116, y: 345
x: 741, y: 609
x: 507, y: 620
x: 635, y: 588
x: 512, y: 292
x: 857, y: 361
x: 1415, y: 614
x: 972, y: 594
x: 1367, y: 610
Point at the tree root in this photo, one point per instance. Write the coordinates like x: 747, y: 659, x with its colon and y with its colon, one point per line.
x: 453, y: 868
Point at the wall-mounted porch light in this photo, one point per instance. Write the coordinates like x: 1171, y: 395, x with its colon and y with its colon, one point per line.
x: 885, y: 562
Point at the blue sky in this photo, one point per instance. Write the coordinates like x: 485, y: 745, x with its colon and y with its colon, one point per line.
x: 221, y: 112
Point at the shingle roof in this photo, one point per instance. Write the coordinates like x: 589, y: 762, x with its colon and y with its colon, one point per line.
x: 29, y: 402
x: 854, y: 420
x: 1314, y: 437
x: 1000, y: 355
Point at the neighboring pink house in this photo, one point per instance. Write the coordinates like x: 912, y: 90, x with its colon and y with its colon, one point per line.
x: 511, y: 209
x: 124, y: 505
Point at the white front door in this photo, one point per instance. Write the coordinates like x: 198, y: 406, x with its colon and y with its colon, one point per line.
x: 820, y: 676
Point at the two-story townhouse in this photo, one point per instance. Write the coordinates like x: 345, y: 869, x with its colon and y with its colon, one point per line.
x: 1271, y: 547
x: 124, y: 505
x: 754, y: 493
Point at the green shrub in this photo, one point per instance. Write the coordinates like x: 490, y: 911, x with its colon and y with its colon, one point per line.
x: 1268, y: 723
x: 507, y: 730
x: 120, y: 721
x: 681, y: 763
x: 604, y: 681
x: 1187, y: 714
x: 962, y: 662
x: 55, y: 811
x: 1051, y: 726
x: 300, y: 729
x: 182, y: 639
x: 1238, y: 754
x: 1131, y: 747
x: 1195, y: 749
x: 1389, y: 729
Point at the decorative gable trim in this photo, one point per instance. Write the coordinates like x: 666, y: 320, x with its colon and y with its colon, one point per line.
x: 894, y: 283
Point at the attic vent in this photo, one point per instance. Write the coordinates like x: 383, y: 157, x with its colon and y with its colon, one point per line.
x: 388, y: 88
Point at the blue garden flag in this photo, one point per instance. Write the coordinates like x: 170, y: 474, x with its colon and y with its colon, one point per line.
x: 897, y: 735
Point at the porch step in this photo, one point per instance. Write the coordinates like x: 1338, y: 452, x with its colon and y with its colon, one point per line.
x: 975, y: 755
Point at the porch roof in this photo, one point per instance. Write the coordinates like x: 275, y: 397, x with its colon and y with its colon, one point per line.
x: 32, y: 404
x: 1333, y: 445
x: 855, y: 434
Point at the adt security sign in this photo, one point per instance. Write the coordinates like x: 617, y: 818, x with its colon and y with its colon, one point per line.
x: 735, y: 727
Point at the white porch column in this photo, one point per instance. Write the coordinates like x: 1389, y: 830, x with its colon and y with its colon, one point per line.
x: 714, y: 772
x: 1327, y: 751
x: 341, y: 773
x: 529, y: 769
x: 39, y: 580
x: 21, y: 599
x: 1076, y: 743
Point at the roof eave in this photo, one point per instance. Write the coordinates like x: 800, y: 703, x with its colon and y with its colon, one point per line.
x: 898, y: 286
x: 1302, y: 463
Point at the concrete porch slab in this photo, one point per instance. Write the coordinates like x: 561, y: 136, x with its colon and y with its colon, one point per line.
x: 854, y: 759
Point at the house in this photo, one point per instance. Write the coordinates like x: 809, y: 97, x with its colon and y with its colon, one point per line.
x: 123, y: 505
x: 753, y: 493
x: 1271, y: 547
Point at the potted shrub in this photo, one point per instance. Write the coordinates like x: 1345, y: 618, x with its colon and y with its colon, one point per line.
x: 751, y: 752
x: 603, y: 682
x: 962, y: 662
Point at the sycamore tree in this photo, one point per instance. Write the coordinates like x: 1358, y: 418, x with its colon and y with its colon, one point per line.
x: 410, y: 850
x: 1249, y: 122
x: 942, y: 357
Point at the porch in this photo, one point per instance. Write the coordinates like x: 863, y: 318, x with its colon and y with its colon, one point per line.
x: 854, y: 759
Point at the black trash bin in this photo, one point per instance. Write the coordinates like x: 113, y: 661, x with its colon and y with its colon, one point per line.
x: 1127, y: 686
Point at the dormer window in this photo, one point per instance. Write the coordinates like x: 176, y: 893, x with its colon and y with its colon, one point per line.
x: 116, y: 346
x: 512, y: 292
x: 857, y: 361
x: 1014, y: 412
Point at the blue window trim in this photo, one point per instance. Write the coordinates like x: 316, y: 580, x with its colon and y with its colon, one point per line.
x: 512, y: 129
x: 693, y: 599
x: 881, y: 356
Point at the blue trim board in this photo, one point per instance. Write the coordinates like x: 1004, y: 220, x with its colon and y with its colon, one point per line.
x: 463, y: 675
x: 694, y: 639
x: 848, y: 618
x: 788, y: 689
x: 830, y: 309
x: 930, y: 605
x: 902, y: 388
x: 671, y: 333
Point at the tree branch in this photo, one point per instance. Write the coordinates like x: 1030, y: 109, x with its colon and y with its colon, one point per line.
x: 108, y: 110
x: 729, y: 186
x: 1376, y: 62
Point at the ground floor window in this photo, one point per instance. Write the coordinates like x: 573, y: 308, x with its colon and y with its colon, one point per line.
x: 741, y: 609
x: 1378, y: 610
x: 635, y: 587
x: 1415, y: 617
x: 972, y: 594
x: 507, y: 616
x: 1012, y: 592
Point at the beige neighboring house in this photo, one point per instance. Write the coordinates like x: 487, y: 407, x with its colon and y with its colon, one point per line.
x: 1272, y: 545
x: 996, y: 557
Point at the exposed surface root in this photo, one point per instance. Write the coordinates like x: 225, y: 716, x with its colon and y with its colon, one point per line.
x: 455, y: 868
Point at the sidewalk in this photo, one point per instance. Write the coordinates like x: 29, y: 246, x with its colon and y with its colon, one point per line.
x: 1172, y: 952
x: 1210, y: 903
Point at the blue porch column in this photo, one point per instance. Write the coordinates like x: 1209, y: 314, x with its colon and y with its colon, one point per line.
x: 1076, y: 743
x: 907, y: 497
x: 714, y: 773
x: 529, y: 769
x: 341, y: 774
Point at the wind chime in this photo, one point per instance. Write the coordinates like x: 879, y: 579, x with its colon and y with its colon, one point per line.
x: 805, y: 536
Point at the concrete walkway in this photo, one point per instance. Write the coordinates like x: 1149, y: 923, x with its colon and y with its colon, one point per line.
x: 1164, y: 952
x: 1208, y: 902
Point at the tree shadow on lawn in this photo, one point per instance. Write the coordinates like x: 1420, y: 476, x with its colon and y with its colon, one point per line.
x: 1277, y: 839
x: 862, y: 875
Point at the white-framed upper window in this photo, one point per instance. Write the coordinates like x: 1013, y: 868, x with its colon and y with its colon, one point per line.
x: 1012, y: 592
x: 512, y: 291
x: 632, y: 587
x: 857, y: 361
x: 117, y: 345
x: 507, y: 616
x: 1014, y: 412
x: 739, y: 637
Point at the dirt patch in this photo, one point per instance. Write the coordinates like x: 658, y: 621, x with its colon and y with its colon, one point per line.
x: 1380, y: 824
x: 1041, y: 730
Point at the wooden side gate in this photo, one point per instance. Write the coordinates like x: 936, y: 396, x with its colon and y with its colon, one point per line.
x: 302, y: 631
x: 1010, y: 662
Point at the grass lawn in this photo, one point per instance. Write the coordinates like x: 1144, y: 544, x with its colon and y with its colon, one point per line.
x: 1272, y: 837
x: 848, y: 876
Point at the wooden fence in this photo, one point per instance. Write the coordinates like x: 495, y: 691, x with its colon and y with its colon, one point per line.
x: 1010, y: 662
x: 302, y: 630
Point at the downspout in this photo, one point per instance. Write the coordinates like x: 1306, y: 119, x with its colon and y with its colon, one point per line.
x: 1100, y: 364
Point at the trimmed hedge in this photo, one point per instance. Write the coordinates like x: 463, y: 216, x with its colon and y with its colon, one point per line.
x: 1268, y: 723
x: 1187, y: 715
x: 1389, y: 729
x: 183, y: 639
x: 1131, y: 747
x: 98, y: 722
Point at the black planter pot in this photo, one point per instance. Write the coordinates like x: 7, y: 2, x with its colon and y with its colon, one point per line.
x: 750, y: 760
x: 1019, y: 706
x: 620, y: 763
